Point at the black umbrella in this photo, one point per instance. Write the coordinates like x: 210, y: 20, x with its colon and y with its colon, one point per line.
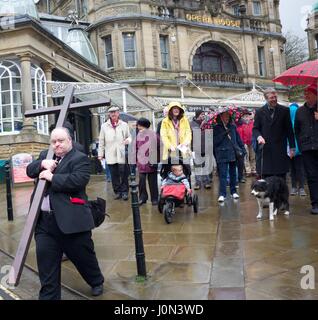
x: 127, y: 117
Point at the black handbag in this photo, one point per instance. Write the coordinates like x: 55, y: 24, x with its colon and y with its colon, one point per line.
x: 98, y: 209
x: 237, y: 150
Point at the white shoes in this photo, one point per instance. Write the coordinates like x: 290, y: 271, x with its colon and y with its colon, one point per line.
x: 234, y: 196
x: 221, y: 199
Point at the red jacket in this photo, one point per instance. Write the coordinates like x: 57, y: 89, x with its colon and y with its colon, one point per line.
x: 245, y: 132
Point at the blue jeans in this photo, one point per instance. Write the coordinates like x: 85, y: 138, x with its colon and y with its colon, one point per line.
x: 107, y: 172
x: 223, y: 168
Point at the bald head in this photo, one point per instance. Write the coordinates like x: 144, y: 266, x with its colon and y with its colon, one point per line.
x: 61, y: 141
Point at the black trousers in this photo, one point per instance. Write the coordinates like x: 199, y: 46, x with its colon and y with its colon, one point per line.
x: 50, y: 245
x: 310, y: 159
x: 119, y: 173
x: 297, y: 172
x: 153, y: 186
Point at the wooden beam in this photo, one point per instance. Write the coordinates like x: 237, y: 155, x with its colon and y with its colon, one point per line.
x: 74, y: 106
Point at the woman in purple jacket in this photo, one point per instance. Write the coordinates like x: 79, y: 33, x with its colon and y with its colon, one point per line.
x: 147, y: 144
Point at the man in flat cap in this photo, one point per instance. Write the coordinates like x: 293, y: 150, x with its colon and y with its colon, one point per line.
x: 306, y: 131
x: 113, y: 138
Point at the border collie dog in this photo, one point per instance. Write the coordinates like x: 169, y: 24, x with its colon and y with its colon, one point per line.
x: 272, y: 190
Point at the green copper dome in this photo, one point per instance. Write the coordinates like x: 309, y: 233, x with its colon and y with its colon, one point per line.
x: 315, y: 7
x: 18, y: 7
x: 78, y: 41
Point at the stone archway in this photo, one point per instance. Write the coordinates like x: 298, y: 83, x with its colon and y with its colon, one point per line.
x: 239, y: 64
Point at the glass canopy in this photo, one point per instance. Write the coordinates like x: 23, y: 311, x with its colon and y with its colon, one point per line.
x: 121, y: 95
x: 78, y: 41
x: 18, y: 7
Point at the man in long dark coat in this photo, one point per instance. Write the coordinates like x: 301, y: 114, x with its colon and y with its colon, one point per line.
x: 272, y: 128
x: 306, y: 130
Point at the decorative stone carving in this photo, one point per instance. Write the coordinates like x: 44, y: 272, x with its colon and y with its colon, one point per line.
x: 132, y: 25
x: 116, y: 11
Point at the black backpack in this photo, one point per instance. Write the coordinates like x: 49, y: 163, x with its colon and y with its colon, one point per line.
x: 98, y: 209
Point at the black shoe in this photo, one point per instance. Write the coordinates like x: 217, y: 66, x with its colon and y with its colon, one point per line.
x: 98, y: 290
x: 125, y: 196
x: 155, y: 203
x: 117, y: 196
x: 141, y: 202
x: 64, y: 257
x: 314, y: 210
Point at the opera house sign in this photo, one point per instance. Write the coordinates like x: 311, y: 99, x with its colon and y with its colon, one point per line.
x: 213, y: 20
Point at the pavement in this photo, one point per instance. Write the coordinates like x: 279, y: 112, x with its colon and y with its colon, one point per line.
x: 223, y: 252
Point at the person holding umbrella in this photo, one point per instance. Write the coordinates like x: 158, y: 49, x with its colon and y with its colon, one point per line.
x: 227, y: 147
x: 306, y: 130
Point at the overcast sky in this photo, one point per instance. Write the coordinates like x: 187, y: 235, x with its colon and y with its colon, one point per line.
x: 293, y: 15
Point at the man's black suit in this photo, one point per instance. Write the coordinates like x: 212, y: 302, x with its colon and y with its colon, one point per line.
x: 68, y: 228
x: 276, y: 131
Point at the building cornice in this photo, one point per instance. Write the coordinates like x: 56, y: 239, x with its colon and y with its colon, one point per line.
x: 182, y: 22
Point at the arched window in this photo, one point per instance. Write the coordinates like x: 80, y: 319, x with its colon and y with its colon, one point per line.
x: 10, y: 98
x: 39, y: 97
x: 212, y: 58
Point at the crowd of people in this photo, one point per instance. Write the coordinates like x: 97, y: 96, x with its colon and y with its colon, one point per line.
x: 274, y: 140
x: 267, y: 143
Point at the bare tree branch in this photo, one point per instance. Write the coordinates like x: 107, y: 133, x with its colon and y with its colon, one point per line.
x: 295, y: 50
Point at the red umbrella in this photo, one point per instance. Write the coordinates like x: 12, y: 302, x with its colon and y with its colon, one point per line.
x: 301, y: 75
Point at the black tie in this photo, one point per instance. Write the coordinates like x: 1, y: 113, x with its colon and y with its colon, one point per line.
x: 271, y: 110
x: 57, y: 159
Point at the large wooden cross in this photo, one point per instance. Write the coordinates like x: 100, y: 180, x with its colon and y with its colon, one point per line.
x: 21, y: 254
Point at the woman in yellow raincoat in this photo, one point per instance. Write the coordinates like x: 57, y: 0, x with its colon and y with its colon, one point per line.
x: 175, y: 132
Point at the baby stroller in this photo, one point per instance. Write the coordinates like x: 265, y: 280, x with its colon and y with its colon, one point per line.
x: 174, y: 194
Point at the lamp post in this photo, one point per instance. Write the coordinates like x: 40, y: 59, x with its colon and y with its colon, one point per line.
x: 181, y: 81
x: 139, y: 245
x: 8, y: 189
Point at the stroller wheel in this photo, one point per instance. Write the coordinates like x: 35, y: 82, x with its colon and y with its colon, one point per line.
x: 195, y: 202
x: 167, y: 211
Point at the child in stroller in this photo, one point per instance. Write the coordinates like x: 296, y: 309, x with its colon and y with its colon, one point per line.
x: 175, y: 190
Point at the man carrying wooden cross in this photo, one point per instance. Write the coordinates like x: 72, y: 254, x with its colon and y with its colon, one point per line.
x: 65, y: 221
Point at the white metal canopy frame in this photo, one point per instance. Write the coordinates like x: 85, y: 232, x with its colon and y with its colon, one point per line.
x: 121, y: 95
x: 253, y: 98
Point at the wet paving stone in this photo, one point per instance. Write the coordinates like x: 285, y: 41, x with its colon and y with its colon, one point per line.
x: 227, y: 294
x: 221, y: 253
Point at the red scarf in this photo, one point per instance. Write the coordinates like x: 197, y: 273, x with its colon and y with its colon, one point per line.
x: 114, y: 124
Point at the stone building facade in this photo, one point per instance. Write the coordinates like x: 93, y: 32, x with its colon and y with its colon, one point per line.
x: 31, y: 55
x: 312, y: 32
x: 165, y: 49
x: 220, y: 46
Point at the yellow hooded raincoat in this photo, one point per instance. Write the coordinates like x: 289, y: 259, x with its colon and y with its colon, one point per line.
x: 169, y: 135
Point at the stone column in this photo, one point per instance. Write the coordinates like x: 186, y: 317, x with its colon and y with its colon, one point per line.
x: 47, y: 68
x: 95, y: 125
x: 25, y: 61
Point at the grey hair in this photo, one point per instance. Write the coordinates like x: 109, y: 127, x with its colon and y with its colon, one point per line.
x: 268, y: 91
x: 64, y: 129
